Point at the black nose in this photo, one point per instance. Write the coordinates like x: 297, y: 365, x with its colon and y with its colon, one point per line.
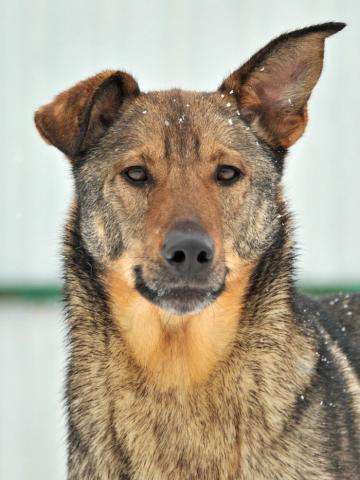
x: 188, y: 250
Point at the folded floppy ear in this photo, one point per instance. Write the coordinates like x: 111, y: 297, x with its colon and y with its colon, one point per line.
x: 273, y: 87
x: 77, y: 118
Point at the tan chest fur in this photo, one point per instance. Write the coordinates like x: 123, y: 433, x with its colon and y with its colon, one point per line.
x: 214, y: 430
x: 179, y: 411
x: 176, y: 351
x: 189, y: 390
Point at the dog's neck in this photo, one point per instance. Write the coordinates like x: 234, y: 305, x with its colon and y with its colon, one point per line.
x: 177, y: 350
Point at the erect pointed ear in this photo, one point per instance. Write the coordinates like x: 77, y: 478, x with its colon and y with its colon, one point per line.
x: 273, y: 87
x: 77, y: 118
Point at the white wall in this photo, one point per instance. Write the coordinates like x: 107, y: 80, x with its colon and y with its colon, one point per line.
x: 32, y: 423
x: 48, y: 46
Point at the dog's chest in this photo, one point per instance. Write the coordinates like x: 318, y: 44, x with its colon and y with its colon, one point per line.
x: 212, y: 435
x: 180, y: 438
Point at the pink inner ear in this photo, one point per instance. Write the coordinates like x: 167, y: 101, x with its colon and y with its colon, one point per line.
x: 271, y: 95
x: 283, y: 87
x: 274, y: 85
x: 297, y: 71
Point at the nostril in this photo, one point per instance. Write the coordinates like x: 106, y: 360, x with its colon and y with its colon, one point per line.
x: 203, y: 257
x: 178, y: 257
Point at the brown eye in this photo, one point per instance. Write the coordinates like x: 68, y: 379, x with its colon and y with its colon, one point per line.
x: 136, y: 175
x: 227, y: 175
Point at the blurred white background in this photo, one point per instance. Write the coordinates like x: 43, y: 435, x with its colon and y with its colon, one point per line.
x: 47, y: 46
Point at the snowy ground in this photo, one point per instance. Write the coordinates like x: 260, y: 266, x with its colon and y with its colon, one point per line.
x: 32, y: 432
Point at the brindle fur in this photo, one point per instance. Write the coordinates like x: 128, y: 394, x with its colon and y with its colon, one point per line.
x: 258, y: 382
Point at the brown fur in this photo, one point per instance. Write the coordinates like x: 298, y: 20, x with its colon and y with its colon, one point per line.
x: 60, y: 122
x: 251, y: 381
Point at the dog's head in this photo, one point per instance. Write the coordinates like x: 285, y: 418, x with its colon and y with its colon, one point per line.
x: 178, y: 191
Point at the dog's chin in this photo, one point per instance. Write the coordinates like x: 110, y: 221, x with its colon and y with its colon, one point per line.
x: 178, y: 300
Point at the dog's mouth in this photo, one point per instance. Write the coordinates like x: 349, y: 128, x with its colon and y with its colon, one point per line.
x: 180, y: 300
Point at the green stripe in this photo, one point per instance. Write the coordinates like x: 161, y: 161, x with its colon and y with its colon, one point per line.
x: 30, y: 292
x: 53, y: 292
x: 327, y: 289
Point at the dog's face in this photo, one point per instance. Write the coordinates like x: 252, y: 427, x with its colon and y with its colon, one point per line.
x: 182, y: 189
x: 178, y: 191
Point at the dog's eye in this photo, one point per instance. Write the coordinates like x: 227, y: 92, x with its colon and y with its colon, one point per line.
x: 227, y: 175
x: 136, y: 175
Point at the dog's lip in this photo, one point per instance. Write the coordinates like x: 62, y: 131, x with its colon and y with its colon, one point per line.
x: 175, y: 293
x: 185, y: 292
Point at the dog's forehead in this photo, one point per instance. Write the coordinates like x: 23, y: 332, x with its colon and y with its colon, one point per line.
x: 178, y: 122
x: 178, y: 104
x: 199, y: 111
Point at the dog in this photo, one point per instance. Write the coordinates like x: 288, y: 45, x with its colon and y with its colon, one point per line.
x: 191, y: 353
